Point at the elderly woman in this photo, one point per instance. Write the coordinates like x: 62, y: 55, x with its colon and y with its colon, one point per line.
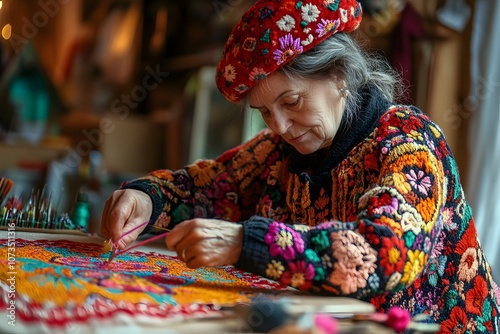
x: 346, y: 193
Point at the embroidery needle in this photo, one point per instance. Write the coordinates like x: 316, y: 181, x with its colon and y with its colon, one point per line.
x: 114, y: 249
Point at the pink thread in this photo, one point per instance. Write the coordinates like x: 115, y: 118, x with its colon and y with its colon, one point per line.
x: 113, y: 254
x: 132, y: 230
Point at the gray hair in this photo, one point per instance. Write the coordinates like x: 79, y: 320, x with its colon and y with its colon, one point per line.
x: 340, y: 57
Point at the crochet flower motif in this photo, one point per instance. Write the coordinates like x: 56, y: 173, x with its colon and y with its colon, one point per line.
x: 392, y: 255
x: 286, y: 23
x: 275, y: 269
x: 284, y: 241
x: 241, y: 88
x: 435, y: 269
x: 325, y: 26
x: 299, y: 276
x: 229, y: 73
x: 343, y: 15
x: 310, y: 13
x: 467, y: 269
x: 257, y: 73
x: 356, y: 260
x: 414, y: 266
x: 288, y: 48
x: 249, y: 44
x: 448, y: 222
x: 419, y: 181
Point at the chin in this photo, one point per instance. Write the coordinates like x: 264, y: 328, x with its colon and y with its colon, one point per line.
x: 305, y: 150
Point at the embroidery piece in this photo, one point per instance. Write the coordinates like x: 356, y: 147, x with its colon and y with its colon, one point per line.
x: 61, y: 281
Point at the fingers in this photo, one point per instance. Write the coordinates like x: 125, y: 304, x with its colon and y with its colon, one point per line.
x: 201, y: 255
x: 191, y: 256
x: 114, y: 217
x: 196, y: 257
x: 203, y: 242
x: 180, y: 240
x: 123, y: 211
x: 176, y: 236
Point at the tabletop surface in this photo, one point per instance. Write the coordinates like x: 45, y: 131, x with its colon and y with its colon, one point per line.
x: 297, y: 304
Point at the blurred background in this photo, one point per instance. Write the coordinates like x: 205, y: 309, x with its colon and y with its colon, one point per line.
x: 96, y: 92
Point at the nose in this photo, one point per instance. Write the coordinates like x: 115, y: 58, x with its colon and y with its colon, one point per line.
x: 280, y: 122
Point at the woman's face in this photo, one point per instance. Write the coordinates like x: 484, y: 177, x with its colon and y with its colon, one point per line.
x: 305, y: 112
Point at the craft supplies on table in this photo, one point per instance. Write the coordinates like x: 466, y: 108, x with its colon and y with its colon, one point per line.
x: 39, y: 214
x: 63, y: 283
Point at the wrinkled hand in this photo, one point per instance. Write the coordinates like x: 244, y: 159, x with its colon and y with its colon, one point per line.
x: 206, y: 242
x: 124, y: 210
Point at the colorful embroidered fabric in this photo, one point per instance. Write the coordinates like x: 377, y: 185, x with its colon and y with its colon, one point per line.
x: 58, y: 282
x: 271, y: 33
x: 381, y: 216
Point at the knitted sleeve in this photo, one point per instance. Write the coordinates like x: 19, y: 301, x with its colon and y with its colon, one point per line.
x: 395, y: 183
x: 224, y: 188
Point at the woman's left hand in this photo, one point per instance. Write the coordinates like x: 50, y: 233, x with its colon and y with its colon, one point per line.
x: 206, y: 242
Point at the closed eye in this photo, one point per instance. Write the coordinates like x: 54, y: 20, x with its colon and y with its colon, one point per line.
x: 292, y: 104
x: 265, y: 113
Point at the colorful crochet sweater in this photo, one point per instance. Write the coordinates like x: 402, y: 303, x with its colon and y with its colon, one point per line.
x: 380, y: 216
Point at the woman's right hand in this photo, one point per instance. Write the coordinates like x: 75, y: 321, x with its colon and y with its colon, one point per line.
x: 124, y: 210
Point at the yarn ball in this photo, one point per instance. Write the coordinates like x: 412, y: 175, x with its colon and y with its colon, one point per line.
x: 326, y: 324
x: 398, y: 319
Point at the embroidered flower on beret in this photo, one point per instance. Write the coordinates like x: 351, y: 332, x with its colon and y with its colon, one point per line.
x: 272, y: 32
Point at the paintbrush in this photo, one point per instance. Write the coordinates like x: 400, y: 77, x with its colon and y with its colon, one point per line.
x: 5, y: 186
x: 110, y: 246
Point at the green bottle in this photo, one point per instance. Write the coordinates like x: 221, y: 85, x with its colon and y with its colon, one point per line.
x: 81, y: 211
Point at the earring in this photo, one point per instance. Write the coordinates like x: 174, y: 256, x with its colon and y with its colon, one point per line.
x: 344, y: 92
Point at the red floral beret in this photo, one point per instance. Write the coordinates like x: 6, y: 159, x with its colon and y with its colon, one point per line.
x: 272, y: 32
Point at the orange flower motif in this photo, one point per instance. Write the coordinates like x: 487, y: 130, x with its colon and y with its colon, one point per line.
x: 163, y: 174
x: 203, y: 172
x: 322, y: 200
x: 275, y: 173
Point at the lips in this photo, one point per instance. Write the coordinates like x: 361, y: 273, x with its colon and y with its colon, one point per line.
x: 298, y: 138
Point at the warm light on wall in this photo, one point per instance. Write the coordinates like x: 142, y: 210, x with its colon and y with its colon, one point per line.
x: 6, y: 31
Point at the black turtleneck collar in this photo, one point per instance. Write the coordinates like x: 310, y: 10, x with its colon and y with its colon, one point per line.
x: 350, y: 134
